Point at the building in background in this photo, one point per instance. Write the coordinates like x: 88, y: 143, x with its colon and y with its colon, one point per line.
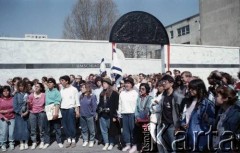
x: 218, y: 24
x: 186, y: 31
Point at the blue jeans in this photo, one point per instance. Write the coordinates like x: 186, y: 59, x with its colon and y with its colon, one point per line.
x: 128, y: 123
x: 69, y: 122
x: 165, y: 134
x: 104, y: 126
x: 56, y: 125
x: 37, y: 120
x: 87, y: 124
x: 6, y: 131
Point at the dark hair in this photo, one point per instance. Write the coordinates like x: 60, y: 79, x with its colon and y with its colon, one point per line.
x: 6, y: 88
x: 66, y: 78
x: 16, y: 78
x: 169, y: 72
x: 26, y: 79
x: 147, y: 87
x: 35, y: 80
x: 178, y: 79
x: 42, y: 87
x: 168, y: 78
x: 44, y: 78
x: 175, y: 70
x: 199, y: 86
x: 215, y: 78
x: 91, y: 75
x: 73, y: 76
x: 142, y: 75
x: 238, y: 75
x: 54, y: 82
x: 22, y: 83
x: 30, y: 82
x: 228, y: 78
x: 186, y: 73
x: 227, y: 92
x: 97, y: 79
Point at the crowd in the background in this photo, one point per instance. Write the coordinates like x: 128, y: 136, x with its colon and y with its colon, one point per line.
x: 104, y: 112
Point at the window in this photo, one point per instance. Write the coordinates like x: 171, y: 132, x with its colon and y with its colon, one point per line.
x: 186, y: 42
x: 187, y: 29
x: 171, y: 34
x: 183, y: 30
x: 179, y: 32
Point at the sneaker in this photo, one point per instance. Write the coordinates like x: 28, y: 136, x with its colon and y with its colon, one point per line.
x: 41, y: 145
x: 85, y: 143
x: 106, y: 146
x: 126, y: 148
x: 110, y: 147
x: 21, y: 146
x: 133, y: 149
x: 68, y: 144
x: 91, y: 143
x: 4, y: 148
x: 11, y: 146
x: 25, y: 146
x: 45, y: 146
x: 73, y: 145
x: 60, y: 145
x: 34, y: 145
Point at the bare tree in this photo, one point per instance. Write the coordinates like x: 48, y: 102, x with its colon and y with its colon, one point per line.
x: 90, y: 19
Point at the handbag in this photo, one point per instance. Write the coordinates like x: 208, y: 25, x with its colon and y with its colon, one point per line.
x: 50, y: 112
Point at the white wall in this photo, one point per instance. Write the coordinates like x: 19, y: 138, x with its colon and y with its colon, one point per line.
x: 210, y: 56
x: 147, y: 66
x: 49, y: 51
x: 52, y: 51
x: 23, y: 51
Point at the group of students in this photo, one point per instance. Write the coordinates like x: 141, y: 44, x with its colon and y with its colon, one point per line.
x: 175, y: 107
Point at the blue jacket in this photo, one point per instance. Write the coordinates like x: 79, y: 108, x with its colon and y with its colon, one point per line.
x: 143, y: 107
x: 88, y: 106
x: 202, y: 118
x: 20, y: 102
x: 231, y: 123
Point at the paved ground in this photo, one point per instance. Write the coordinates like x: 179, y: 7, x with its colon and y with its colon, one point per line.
x: 53, y: 148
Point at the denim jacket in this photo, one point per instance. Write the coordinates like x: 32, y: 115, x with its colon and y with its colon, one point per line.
x: 202, y: 118
x: 143, y: 107
x: 231, y: 122
x: 20, y: 103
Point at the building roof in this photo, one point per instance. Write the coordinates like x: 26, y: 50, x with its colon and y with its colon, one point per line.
x: 188, y: 18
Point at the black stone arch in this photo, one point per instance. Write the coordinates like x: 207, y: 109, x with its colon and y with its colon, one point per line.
x: 139, y: 27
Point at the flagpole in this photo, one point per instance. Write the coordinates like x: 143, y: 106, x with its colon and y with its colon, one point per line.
x: 113, y: 45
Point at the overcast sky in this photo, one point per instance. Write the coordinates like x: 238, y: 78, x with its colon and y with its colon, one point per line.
x: 19, y: 17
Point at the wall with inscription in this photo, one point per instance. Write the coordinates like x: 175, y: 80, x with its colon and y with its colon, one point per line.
x: 49, y: 57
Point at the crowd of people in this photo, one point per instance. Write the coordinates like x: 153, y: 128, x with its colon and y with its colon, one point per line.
x: 173, y: 106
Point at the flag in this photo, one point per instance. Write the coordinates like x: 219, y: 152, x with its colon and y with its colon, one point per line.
x: 102, y: 67
x: 116, y: 69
